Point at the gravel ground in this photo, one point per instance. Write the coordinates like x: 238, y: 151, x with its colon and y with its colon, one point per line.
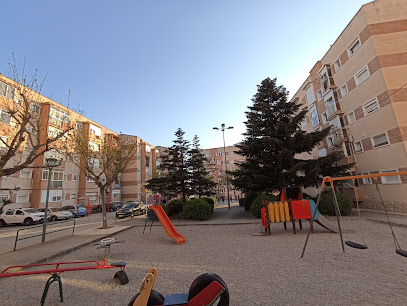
x: 257, y: 270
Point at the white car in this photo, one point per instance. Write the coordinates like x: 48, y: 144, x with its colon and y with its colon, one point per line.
x: 27, y: 216
x: 58, y: 214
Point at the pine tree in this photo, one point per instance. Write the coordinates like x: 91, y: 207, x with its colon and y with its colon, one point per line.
x: 201, y: 183
x: 175, y: 162
x: 273, y: 142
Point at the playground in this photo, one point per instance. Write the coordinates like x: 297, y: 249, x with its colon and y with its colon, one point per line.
x: 258, y: 270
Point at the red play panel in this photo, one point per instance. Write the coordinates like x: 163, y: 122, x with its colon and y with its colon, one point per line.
x: 300, y: 209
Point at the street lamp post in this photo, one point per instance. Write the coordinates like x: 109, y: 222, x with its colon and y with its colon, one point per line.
x: 50, y: 163
x: 222, y: 128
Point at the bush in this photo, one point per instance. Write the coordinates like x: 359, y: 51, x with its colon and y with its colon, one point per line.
x: 248, y: 200
x: 197, y: 209
x: 174, y: 207
x: 258, y: 203
x: 326, y: 204
x: 211, y: 202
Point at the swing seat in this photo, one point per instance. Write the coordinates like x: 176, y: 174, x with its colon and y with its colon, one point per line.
x: 401, y: 252
x: 358, y: 245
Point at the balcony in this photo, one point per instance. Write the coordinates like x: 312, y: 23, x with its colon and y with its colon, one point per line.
x: 347, y: 160
x: 340, y: 135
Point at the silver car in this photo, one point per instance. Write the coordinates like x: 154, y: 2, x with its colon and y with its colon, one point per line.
x: 58, y: 214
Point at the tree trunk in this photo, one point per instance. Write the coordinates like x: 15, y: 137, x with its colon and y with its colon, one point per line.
x: 104, y: 216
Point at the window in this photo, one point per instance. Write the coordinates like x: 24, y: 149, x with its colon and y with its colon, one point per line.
x: 322, y: 153
x: 366, y: 180
x: 351, y: 117
x: 4, y: 197
x: 3, y: 143
x: 314, y: 116
x: 325, y: 78
x: 75, y: 177
x: 355, y: 45
x: 304, y: 122
x: 26, y: 150
x: 221, y: 190
x: 56, y: 179
x: 90, y: 179
x: 7, y: 90
x: 330, y: 141
x: 22, y: 198
x: 358, y: 147
x: 25, y: 174
x: 34, y: 108
x: 337, y: 64
x: 219, y: 162
x: 94, y: 162
x: 208, y: 155
x: 370, y: 107
x: 10, y: 212
x: 148, y: 149
x: 324, y: 118
x: 390, y: 179
x: 362, y: 75
x: 330, y: 106
x: 54, y: 132
x: 94, y: 146
x: 319, y: 95
x: 5, y: 117
x: 310, y: 96
x: 57, y: 116
x: 344, y: 90
x: 380, y: 140
x: 116, y: 194
x: 79, y: 125
x: 218, y: 153
x: 93, y: 129
x: 73, y: 196
x: 54, y: 196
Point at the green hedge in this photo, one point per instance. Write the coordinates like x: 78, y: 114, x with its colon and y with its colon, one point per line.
x: 211, y: 202
x: 174, y: 208
x: 326, y: 204
x: 248, y: 200
x: 258, y: 203
x: 197, y: 209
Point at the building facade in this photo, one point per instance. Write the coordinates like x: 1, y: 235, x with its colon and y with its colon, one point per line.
x: 359, y: 88
x: 217, y: 168
x: 69, y: 183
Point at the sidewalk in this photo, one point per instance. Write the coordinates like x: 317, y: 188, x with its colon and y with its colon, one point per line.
x: 222, y: 216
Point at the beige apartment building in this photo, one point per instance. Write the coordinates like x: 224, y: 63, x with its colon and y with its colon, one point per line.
x: 217, y: 169
x: 359, y: 88
x: 68, y: 182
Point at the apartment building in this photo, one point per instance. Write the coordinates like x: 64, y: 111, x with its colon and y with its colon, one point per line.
x: 218, y: 166
x: 359, y: 88
x: 69, y: 183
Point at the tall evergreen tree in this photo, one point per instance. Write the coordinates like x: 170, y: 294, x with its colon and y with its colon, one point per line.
x: 273, y: 142
x: 201, y: 183
x: 175, y: 162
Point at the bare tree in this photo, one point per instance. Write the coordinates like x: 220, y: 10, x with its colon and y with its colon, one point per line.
x: 102, y: 165
x: 24, y: 120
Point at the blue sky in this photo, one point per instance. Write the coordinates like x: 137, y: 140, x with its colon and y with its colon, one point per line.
x: 148, y: 67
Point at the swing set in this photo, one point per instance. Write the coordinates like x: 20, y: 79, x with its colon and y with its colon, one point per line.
x: 349, y: 243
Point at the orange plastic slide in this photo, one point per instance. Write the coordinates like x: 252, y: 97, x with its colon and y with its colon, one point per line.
x: 166, y: 223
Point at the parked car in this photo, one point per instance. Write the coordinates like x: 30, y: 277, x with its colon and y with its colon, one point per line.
x: 57, y: 213
x: 131, y: 209
x: 113, y: 206
x: 26, y: 216
x: 76, y: 210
